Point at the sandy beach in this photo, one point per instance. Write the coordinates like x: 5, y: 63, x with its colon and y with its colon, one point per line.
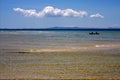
x: 97, y: 62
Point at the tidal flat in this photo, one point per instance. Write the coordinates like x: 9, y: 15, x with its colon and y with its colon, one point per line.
x: 59, y: 55
x: 80, y: 64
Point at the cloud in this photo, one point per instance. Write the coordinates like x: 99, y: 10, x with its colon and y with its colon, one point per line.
x: 96, y: 16
x: 50, y: 11
x: 26, y: 12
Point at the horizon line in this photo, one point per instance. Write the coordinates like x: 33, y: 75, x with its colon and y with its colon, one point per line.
x: 58, y: 29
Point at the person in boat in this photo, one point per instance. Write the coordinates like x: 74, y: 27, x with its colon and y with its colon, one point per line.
x: 92, y: 33
x: 97, y: 33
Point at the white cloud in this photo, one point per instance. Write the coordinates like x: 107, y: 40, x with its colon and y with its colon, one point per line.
x: 26, y: 12
x: 96, y: 16
x: 50, y: 11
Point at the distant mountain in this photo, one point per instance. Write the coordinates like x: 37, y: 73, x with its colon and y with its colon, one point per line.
x: 62, y: 28
x: 65, y: 28
x: 76, y: 28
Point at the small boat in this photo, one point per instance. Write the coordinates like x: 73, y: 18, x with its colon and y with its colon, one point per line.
x: 94, y: 33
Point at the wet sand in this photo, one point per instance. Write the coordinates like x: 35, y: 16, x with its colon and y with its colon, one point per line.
x: 91, y: 62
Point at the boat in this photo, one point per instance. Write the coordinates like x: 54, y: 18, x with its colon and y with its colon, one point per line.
x: 94, y: 33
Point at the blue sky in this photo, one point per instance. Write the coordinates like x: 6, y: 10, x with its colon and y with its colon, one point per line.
x: 65, y: 13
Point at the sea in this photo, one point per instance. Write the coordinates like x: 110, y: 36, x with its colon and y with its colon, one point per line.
x: 40, y: 39
x: 60, y: 54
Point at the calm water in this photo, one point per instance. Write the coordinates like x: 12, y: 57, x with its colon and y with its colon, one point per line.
x: 98, y: 56
x: 46, y: 39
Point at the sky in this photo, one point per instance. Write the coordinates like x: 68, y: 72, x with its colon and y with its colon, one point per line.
x: 60, y: 13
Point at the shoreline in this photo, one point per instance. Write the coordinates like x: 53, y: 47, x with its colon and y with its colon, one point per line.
x: 63, y: 49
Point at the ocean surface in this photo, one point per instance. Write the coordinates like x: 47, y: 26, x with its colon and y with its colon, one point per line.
x: 56, y: 39
x: 59, y: 54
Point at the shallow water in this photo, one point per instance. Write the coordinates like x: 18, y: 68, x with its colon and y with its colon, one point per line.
x: 54, y: 39
x: 59, y: 55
